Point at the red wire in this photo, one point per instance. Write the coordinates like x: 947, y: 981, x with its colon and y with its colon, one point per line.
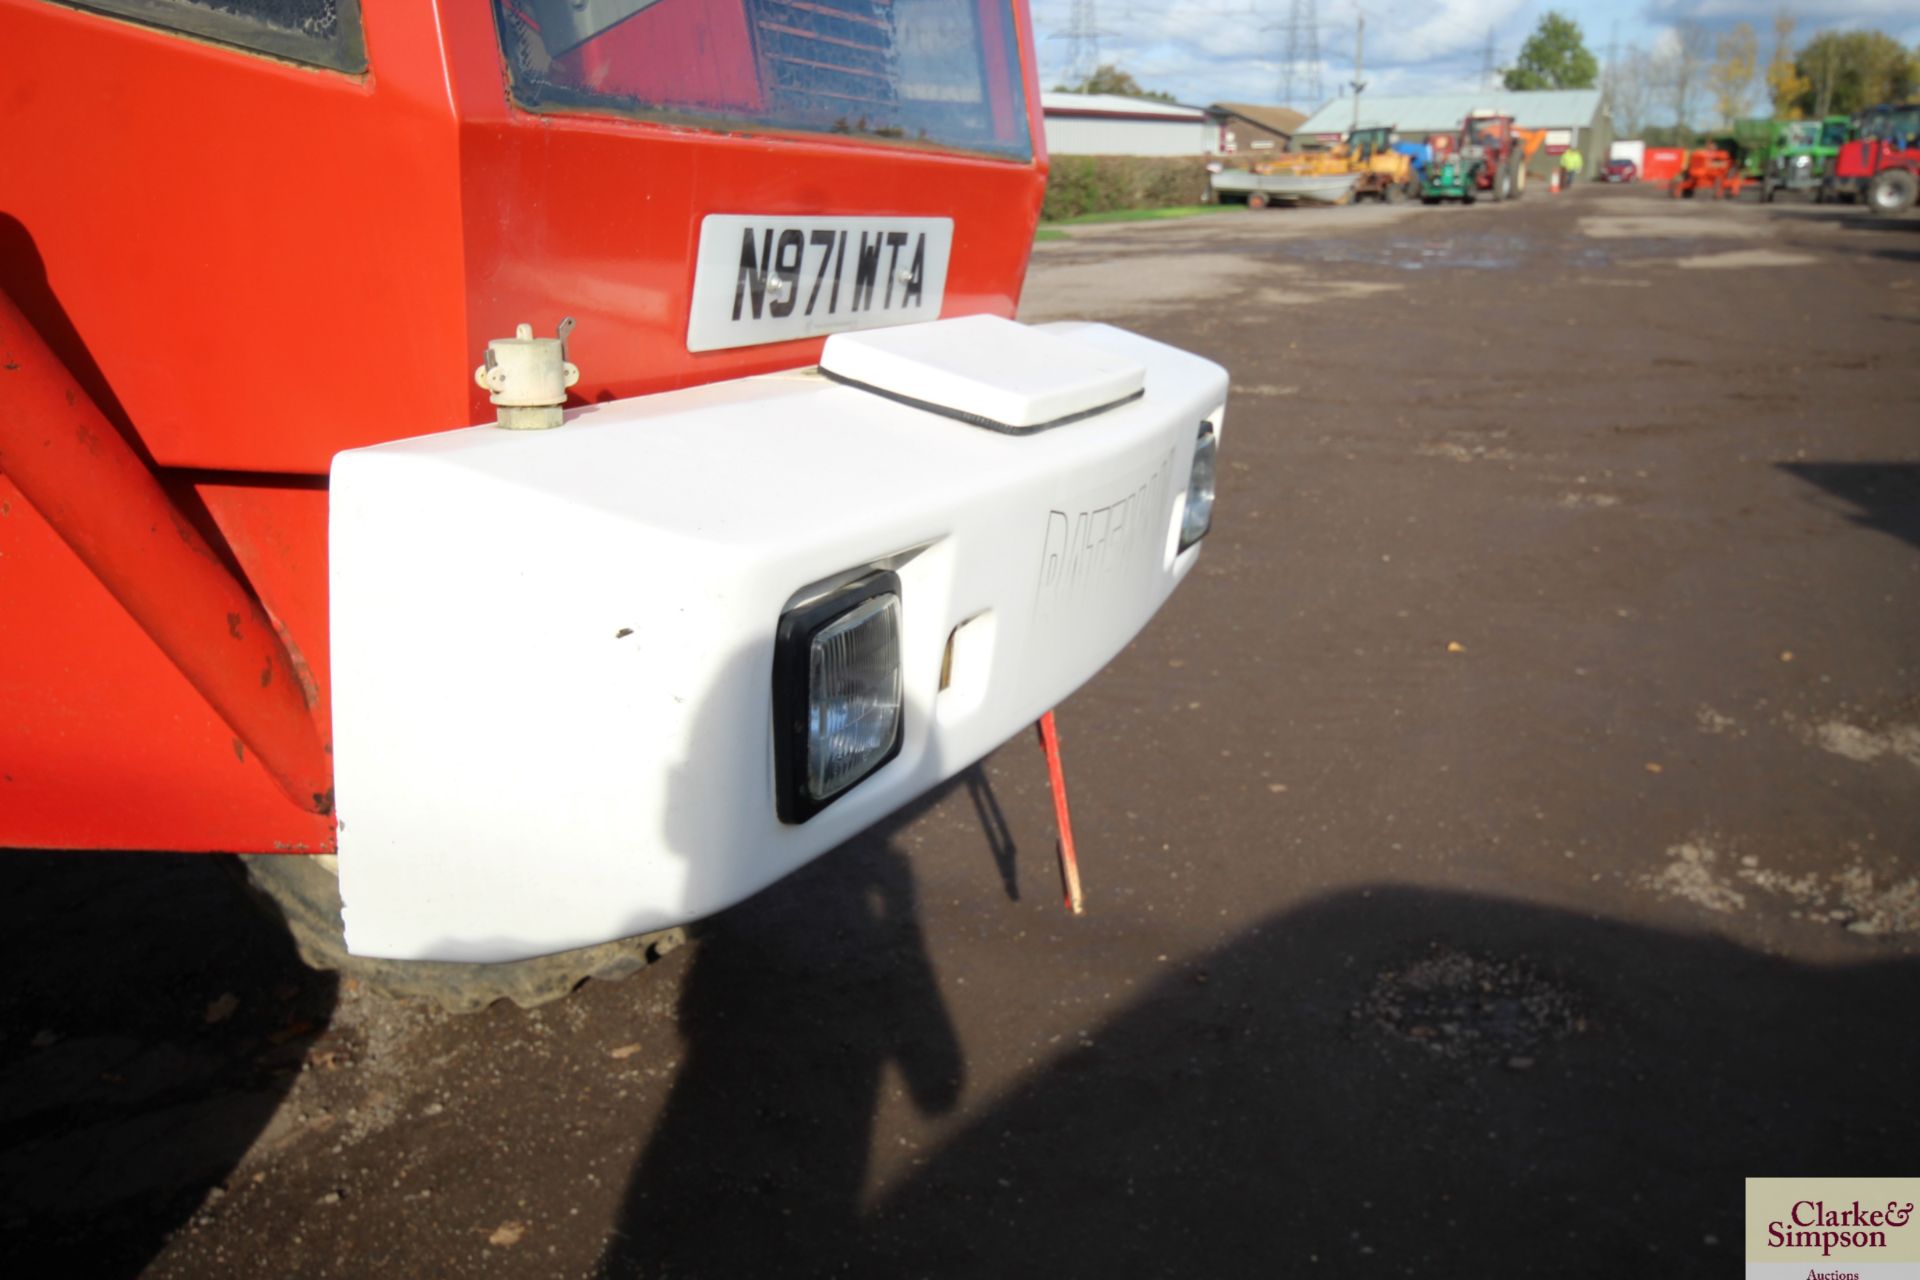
x: 1057, y: 778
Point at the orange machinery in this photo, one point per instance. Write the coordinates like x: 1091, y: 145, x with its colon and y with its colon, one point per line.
x: 1707, y: 169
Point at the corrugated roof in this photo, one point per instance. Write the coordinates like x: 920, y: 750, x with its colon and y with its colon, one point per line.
x: 1108, y: 104
x: 1438, y: 112
x: 1279, y: 119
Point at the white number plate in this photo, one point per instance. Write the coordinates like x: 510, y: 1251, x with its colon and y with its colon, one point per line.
x: 769, y: 279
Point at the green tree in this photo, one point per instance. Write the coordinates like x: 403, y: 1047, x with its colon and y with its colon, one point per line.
x: 1736, y: 57
x: 1785, y: 85
x: 1555, y: 56
x: 1111, y: 79
x: 1847, y: 71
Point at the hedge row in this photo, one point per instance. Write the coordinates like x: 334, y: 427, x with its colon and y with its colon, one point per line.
x: 1097, y: 184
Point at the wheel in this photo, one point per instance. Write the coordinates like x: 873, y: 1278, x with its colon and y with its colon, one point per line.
x: 1390, y: 193
x: 1256, y: 199
x: 1503, y: 184
x: 1519, y: 179
x: 1767, y: 192
x: 304, y: 893
x: 1892, y: 191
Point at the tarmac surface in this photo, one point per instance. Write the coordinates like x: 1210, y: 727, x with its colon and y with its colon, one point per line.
x: 1505, y: 842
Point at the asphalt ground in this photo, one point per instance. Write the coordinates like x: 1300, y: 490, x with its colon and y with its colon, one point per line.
x: 1505, y: 842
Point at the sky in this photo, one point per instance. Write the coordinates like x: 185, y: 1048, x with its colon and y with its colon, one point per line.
x: 1204, y: 51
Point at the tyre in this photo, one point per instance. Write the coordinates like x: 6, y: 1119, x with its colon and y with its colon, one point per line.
x: 1256, y: 200
x: 1503, y: 184
x: 1767, y: 192
x: 1519, y: 179
x: 304, y: 893
x: 1892, y: 191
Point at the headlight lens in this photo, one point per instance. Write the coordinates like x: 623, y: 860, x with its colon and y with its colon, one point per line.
x: 1198, y: 516
x: 837, y: 693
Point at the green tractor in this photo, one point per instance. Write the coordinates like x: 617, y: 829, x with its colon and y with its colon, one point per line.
x: 1802, y: 155
x: 1754, y: 141
x: 1447, y: 179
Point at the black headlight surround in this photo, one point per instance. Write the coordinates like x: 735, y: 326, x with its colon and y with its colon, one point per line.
x: 792, y: 643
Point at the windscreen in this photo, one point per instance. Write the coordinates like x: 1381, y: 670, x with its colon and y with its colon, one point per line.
x: 943, y: 73
x: 1903, y: 126
x: 325, y: 33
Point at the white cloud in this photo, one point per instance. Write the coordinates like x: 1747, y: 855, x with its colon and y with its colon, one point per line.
x: 1234, y: 50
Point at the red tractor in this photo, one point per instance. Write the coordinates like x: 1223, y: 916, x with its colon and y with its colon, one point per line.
x: 1710, y: 170
x: 1882, y: 162
x: 784, y: 523
x: 1487, y: 158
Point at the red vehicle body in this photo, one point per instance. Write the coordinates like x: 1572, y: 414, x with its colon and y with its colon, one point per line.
x: 221, y: 268
x: 1882, y: 162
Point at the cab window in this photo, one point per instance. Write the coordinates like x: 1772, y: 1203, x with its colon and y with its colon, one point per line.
x: 941, y: 73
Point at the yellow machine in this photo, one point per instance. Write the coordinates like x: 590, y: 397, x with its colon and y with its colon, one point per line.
x: 1364, y: 166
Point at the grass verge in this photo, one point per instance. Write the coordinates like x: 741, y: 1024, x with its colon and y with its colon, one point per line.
x: 1140, y: 215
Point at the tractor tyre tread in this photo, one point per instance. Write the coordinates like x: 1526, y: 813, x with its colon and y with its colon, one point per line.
x: 305, y: 895
x: 1893, y: 191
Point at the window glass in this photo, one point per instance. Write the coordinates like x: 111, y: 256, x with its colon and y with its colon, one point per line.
x: 939, y: 72
x: 324, y: 33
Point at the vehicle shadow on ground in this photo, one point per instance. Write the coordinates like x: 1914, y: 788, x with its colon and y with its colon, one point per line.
x: 151, y: 1023
x: 1883, y: 495
x: 1394, y: 1080
x: 797, y: 1007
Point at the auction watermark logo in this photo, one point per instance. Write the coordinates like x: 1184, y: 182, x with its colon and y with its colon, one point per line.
x: 1833, y: 1229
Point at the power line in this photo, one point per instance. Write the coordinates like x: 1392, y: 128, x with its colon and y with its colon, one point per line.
x: 1302, y: 62
x: 1359, y: 64
x: 1083, y: 42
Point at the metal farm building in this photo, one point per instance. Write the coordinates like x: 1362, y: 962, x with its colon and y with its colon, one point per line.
x: 1571, y: 117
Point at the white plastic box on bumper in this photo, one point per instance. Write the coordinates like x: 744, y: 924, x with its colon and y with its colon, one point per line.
x: 553, y: 651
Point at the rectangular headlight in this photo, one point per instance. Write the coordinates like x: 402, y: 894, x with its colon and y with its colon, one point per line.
x: 837, y: 694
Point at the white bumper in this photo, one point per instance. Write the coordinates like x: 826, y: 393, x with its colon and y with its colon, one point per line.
x: 552, y: 650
